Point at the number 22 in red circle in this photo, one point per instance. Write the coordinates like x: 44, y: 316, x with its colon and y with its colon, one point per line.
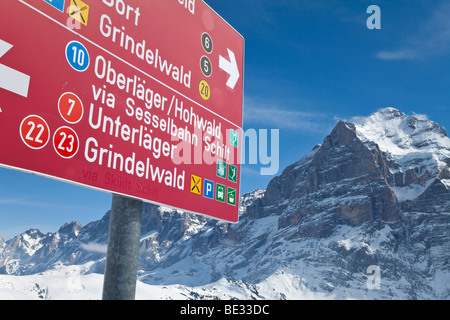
x: 34, y: 132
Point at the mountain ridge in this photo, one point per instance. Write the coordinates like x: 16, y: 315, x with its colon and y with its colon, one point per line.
x: 358, y: 201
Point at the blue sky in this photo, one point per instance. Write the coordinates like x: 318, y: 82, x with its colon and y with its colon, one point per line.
x: 308, y: 64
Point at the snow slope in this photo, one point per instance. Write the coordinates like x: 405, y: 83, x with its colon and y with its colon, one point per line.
x: 413, y: 141
x: 365, y: 215
x: 71, y: 283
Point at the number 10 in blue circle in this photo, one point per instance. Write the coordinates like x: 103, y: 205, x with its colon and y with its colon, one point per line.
x: 77, y: 56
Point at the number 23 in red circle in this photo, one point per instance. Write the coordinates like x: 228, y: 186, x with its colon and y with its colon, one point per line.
x: 66, y: 142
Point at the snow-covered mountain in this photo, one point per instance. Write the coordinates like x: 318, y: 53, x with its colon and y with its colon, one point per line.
x: 364, y: 215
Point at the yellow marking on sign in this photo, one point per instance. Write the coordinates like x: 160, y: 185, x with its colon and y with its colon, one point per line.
x: 204, y: 89
x: 79, y: 11
x: 196, y: 184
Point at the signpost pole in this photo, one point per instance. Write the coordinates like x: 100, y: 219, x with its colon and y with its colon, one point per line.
x: 123, y: 249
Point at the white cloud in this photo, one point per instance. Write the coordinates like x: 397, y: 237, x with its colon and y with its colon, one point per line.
x: 401, y: 54
x: 277, y: 117
x: 41, y: 204
x: 13, y: 201
x: 247, y: 169
x: 431, y: 39
x: 94, y: 247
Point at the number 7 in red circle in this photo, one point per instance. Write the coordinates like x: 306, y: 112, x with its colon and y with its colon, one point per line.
x: 70, y: 107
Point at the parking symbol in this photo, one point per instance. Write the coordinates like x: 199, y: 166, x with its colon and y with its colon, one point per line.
x: 208, y: 189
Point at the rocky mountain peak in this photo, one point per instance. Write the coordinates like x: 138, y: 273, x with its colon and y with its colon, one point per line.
x: 401, y: 134
x: 71, y: 229
x: 376, y: 192
x: 343, y: 177
x: 417, y: 148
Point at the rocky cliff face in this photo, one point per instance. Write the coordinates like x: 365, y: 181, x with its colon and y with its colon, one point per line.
x: 375, y: 195
x: 341, y: 176
x: 22, y: 253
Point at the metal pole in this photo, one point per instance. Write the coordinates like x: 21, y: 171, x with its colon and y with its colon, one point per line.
x: 123, y: 249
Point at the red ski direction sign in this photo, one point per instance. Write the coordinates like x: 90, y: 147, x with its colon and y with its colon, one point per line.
x: 129, y: 97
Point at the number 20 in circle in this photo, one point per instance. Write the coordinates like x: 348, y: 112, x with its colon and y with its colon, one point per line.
x: 204, y: 89
x: 66, y: 142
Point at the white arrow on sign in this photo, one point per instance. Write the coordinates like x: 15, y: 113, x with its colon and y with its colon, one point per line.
x: 10, y: 79
x: 230, y: 67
